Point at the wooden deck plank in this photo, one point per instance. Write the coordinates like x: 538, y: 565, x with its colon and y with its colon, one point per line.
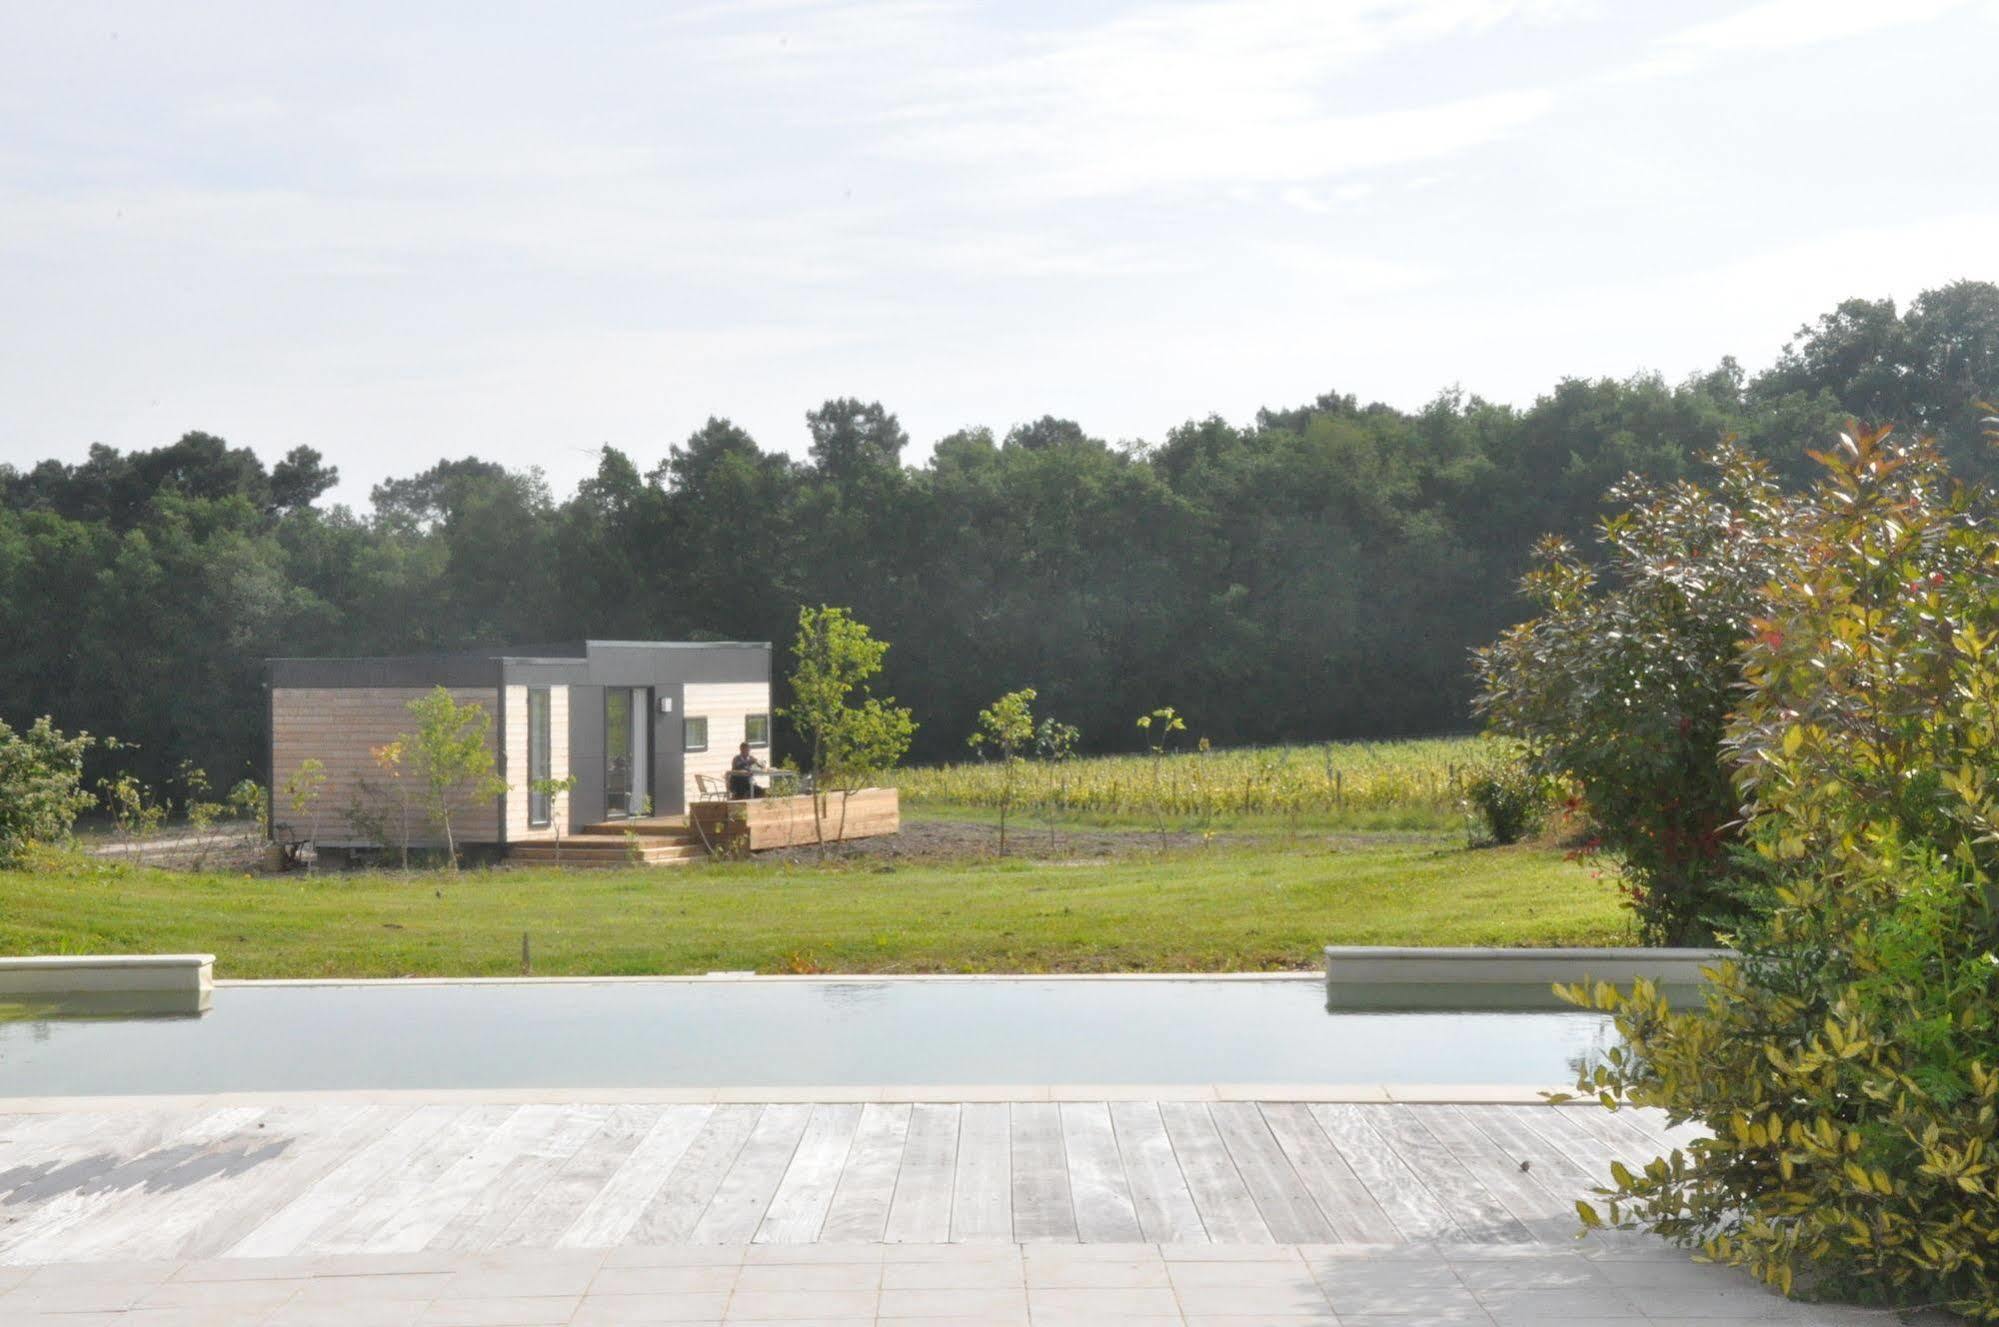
x: 1044, y: 1209
x: 1288, y: 1208
x: 1228, y: 1209
x: 423, y: 1219
x: 921, y: 1210
x: 569, y: 1191
x: 1355, y: 1216
x: 982, y: 1188
x: 339, y: 1175
x: 1563, y: 1135
x: 1105, y: 1213
x: 479, y: 1223
x: 866, y: 1188
x: 46, y: 1233
x: 686, y: 1192
x: 151, y: 1204
x: 1550, y: 1166
x: 745, y: 1194
x: 226, y: 1206
x: 1397, y: 1189
x: 1545, y: 1216
x: 348, y: 1230
x: 609, y: 1215
x: 316, y: 1154
x: 1633, y: 1142
x: 1167, y: 1213
x: 798, y: 1209
x: 288, y: 1229
x: 1482, y: 1217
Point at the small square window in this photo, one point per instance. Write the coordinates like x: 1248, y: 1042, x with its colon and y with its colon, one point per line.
x: 695, y: 733
x: 756, y: 730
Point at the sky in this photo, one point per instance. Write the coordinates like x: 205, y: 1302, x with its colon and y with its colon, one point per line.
x: 400, y: 232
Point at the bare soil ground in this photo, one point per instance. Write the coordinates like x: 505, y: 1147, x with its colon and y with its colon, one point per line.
x: 932, y: 842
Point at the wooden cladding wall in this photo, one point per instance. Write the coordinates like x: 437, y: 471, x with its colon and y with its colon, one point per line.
x: 515, y: 768
x: 726, y: 705
x: 339, y: 727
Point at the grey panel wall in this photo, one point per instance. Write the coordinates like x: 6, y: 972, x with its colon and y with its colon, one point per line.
x: 669, y: 797
x: 586, y: 755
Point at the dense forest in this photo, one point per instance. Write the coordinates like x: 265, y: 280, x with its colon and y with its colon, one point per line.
x: 1320, y: 572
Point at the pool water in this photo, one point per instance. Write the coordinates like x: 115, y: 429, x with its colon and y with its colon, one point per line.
x: 788, y: 1033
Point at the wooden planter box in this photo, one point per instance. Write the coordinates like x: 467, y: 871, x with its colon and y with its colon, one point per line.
x: 787, y: 822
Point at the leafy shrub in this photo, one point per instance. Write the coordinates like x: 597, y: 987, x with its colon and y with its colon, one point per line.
x: 1623, y: 684
x: 41, y: 787
x: 1507, y: 801
x: 1845, y: 1065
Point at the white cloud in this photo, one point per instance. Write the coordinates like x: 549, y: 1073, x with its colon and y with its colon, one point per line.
x: 1778, y: 25
x: 1189, y: 96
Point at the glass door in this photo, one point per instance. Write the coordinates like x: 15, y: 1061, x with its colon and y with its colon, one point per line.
x: 625, y: 754
x: 618, y: 762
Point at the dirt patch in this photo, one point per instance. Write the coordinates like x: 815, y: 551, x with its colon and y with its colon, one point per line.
x: 938, y: 842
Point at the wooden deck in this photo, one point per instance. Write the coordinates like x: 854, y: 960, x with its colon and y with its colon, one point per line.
x: 763, y: 823
x: 169, y: 1179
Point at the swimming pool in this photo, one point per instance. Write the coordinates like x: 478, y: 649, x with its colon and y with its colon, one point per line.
x: 789, y: 1032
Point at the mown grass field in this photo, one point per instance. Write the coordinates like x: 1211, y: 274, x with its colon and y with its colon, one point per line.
x: 1406, y: 784
x: 1249, y: 905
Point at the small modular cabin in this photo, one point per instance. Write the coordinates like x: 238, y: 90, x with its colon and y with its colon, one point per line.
x: 635, y: 722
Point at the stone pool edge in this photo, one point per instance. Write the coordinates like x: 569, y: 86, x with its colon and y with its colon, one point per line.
x: 1470, y: 1094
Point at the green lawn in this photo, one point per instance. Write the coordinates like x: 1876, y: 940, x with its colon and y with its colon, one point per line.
x: 1239, y: 906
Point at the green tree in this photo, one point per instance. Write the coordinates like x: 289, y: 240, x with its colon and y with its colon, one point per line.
x: 451, y: 760
x: 1006, y: 729
x: 1844, y: 1068
x: 1623, y: 683
x: 302, y: 789
x: 552, y: 788
x: 1159, y: 727
x: 849, y: 733
x: 41, y: 787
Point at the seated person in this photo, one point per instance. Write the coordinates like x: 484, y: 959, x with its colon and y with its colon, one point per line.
x: 741, y: 785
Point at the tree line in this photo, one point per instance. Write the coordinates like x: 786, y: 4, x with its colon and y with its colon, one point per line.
x: 1318, y: 572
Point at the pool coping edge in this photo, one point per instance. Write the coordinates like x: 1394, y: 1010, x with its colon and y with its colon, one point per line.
x: 1468, y: 1094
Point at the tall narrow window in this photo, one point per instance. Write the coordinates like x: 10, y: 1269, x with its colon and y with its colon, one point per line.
x: 541, y: 805
x: 697, y: 733
x: 756, y: 729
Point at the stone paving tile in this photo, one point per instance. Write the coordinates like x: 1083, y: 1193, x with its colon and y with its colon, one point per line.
x: 812, y: 1253
x: 1052, y: 1285
x: 360, y: 1289
x: 1530, y: 1308
x: 1264, y: 1299
x: 1195, y: 1275
x: 675, y: 1255
x: 1009, y: 1303
x: 1102, y: 1273
x: 812, y: 1276
x: 534, y: 1279
x: 792, y: 1305
x: 983, y: 1274
x: 965, y: 1252
x: 510, y: 1311
x: 1103, y: 1302
x: 1386, y: 1300
x: 245, y: 1295
x: 373, y: 1313
x: 74, y: 1297
x: 634, y: 1310
x: 676, y: 1280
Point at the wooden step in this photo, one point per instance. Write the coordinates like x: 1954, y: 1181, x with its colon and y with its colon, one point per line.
x: 602, y: 852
